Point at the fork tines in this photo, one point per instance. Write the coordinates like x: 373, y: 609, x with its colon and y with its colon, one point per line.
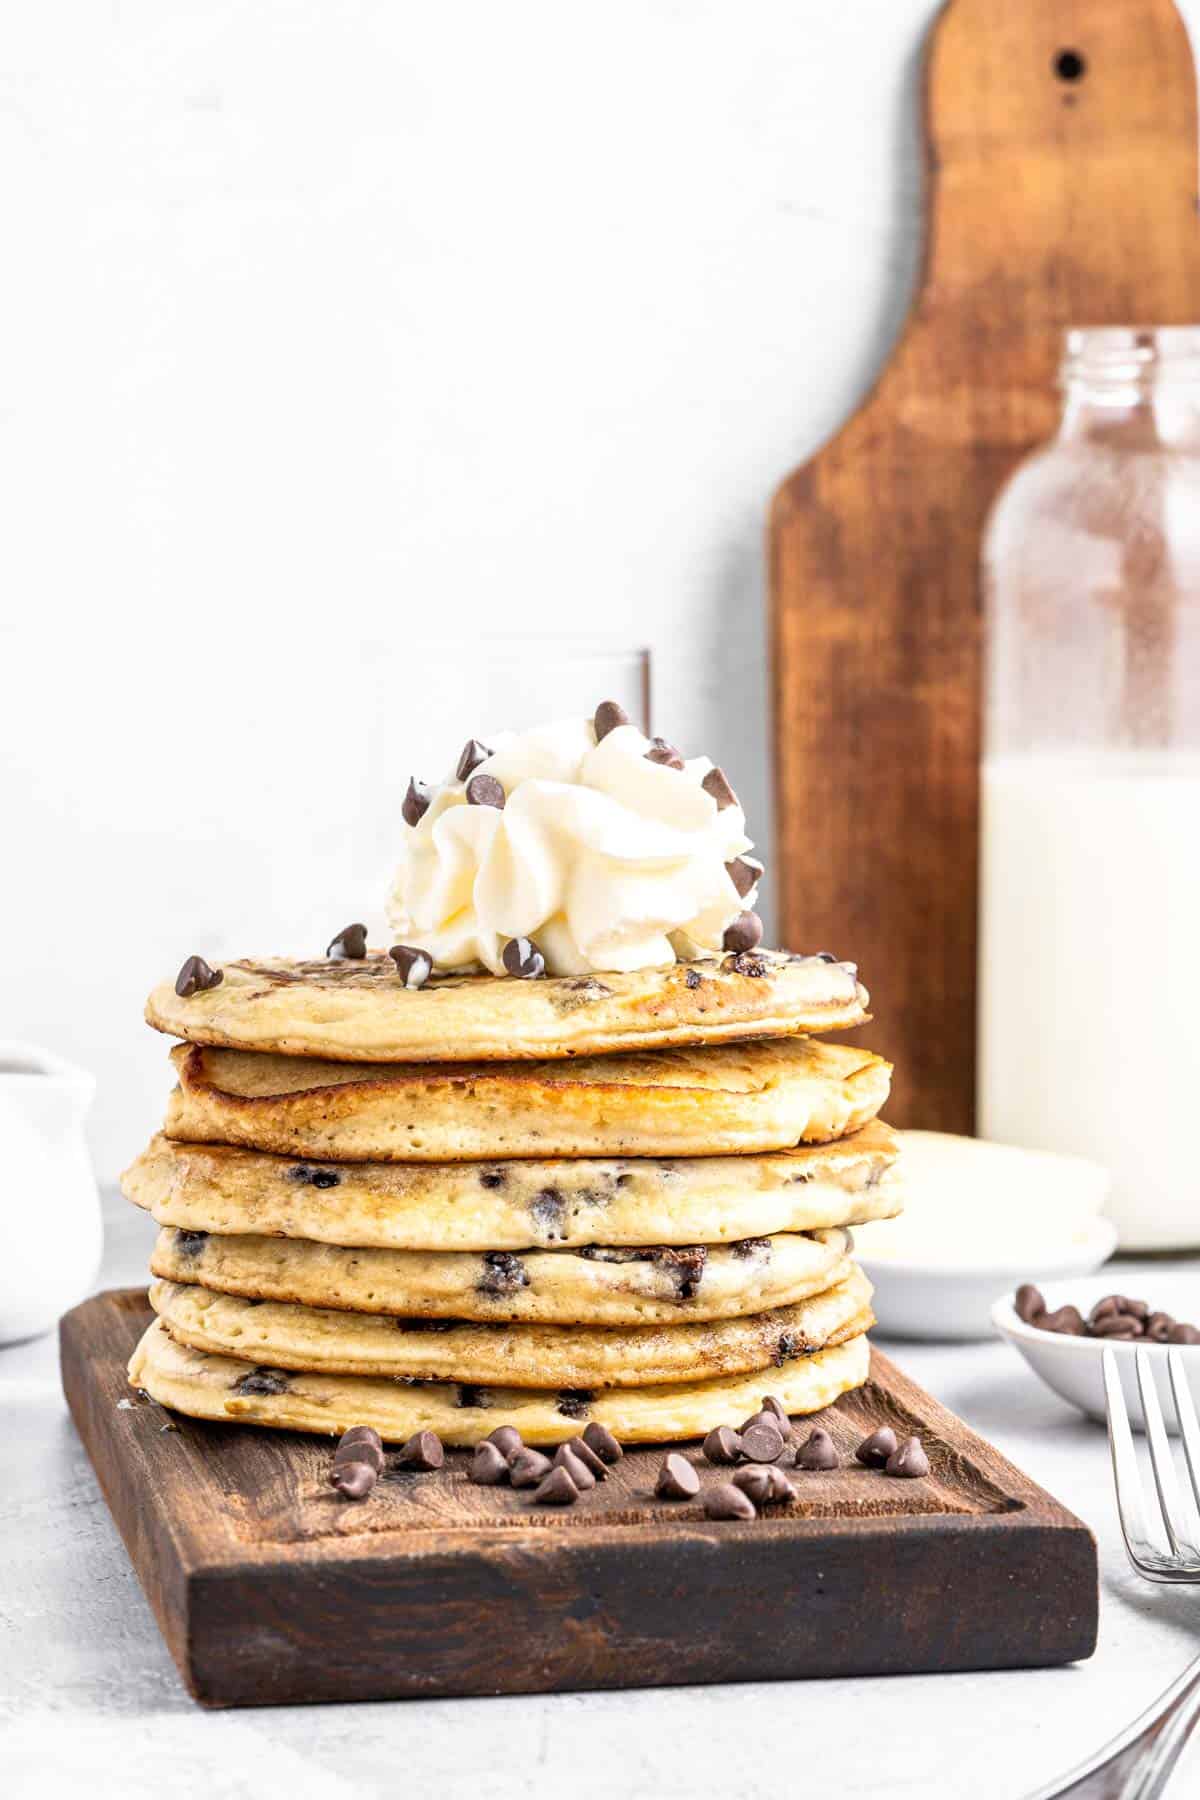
x: 1177, y: 1513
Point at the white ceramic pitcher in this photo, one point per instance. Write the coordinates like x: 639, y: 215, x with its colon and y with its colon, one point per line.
x: 50, y: 1230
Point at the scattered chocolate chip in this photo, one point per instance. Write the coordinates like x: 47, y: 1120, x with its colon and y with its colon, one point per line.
x: 507, y: 1440
x: 723, y: 1445
x: 744, y: 934
x: 413, y: 966
x: 361, y: 1434
x: 1028, y: 1303
x: 262, y: 1381
x: 874, y: 1451
x: 693, y: 978
x: 527, y: 1467
x: 724, y: 1501
x: 195, y: 977
x: 423, y: 1451
x: 473, y: 753
x: 608, y: 716
x: 488, y: 1466
x: 350, y: 944
x: 762, y: 1444
x: 190, y: 1243
x: 676, y: 1479
x: 746, y: 963
x: 360, y: 1450
x: 581, y: 1475
x: 1183, y: 1334
x: 755, y: 1481
x: 503, y: 1273
x: 485, y: 790
x: 778, y: 1412
x: 759, y: 1418
x: 573, y: 1403
x: 716, y: 784
x: 557, y: 1489
x: 416, y: 802
x: 587, y: 1456
x: 818, y: 1451
x: 601, y: 1442
x: 1068, y: 1320
x: 743, y: 875
x: 664, y: 754
x: 522, y: 958
x: 779, y: 1488
x: 908, y: 1460
x: 353, y: 1480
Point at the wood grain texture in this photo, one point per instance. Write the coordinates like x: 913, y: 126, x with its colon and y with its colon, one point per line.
x: 1050, y: 203
x: 269, y: 1588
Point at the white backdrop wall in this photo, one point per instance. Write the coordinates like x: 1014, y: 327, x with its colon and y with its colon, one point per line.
x: 333, y: 330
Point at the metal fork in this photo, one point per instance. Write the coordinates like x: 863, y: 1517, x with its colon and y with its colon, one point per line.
x: 1137, y: 1765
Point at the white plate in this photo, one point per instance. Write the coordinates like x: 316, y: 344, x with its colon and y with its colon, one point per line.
x: 939, y: 1301
x: 1071, y: 1365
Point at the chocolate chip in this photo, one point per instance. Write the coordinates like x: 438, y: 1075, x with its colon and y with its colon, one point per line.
x: 908, y: 1460
x: 608, y: 716
x: 746, y: 963
x: 492, y: 1178
x: 318, y: 1178
x: 762, y: 1443
x: 759, y: 1418
x: 676, y: 1479
x: 350, y: 944
x: 723, y: 1445
x: 1159, y: 1327
x: 262, y: 1381
x: 416, y: 802
x: 744, y: 934
x: 190, y: 1243
x: 1028, y: 1303
x: 1183, y: 1334
x: 507, y: 1440
x: 360, y: 1450
x: 663, y: 753
x: 693, y: 978
x: 743, y: 875
x: 423, y: 1451
x: 527, y: 1467
x: 1068, y: 1320
x: 488, y: 1467
x: 779, y: 1488
x: 361, y: 1434
x: 724, y: 1501
x: 581, y: 1475
x: 778, y: 1412
x: 413, y: 966
x: 1121, y: 1326
x: 587, y: 1456
x: 716, y: 784
x: 746, y: 1248
x: 787, y: 1345
x: 874, y: 1451
x: 195, y: 977
x: 473, y: 753
x: 471, y: 1396
x: 485, y: 790
x: 601, y: 1442
x: 818, y: 1451
x: 548, y: 1210
x: 522, y: 958
x: 557, y: 1490
x: 573, y: 1403
x: 755, y: 1481
x: 353, y: 1480
x: 503, y: 1273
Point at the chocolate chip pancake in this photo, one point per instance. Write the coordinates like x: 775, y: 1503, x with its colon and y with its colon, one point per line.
x: 656, y: 1284
x: 232, y: 1390
x: 718, y: 1101
x: 561, y: 1203
x: 359, y: 1009
x: 526, y: 1356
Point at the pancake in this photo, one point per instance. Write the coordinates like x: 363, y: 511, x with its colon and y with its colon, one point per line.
x: 592, y: 1286
x: 525, y: 1356
x: 713, y: 1102
x: 231, y: 1390
x: 566, y: 1203
x: 360, y: 1011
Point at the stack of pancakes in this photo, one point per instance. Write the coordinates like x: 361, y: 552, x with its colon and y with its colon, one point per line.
x: 492, y: 1201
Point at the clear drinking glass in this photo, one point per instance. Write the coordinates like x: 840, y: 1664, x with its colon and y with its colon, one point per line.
x: 1089, y: 975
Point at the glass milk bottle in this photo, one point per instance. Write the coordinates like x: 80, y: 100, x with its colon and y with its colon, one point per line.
x: 1089, y: 970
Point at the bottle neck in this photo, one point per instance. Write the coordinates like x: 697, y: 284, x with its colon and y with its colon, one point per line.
x: 1132, y: 389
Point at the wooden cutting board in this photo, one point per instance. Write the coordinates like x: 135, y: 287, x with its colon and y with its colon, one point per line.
x: 268, y: 1587
x: 1060, y: 140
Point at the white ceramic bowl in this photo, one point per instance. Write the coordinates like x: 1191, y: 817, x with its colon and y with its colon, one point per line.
x: 940, y: 1301
x: 1071, y: 1365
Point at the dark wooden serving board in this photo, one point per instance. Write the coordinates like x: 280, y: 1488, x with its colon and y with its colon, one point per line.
x: 268, y: 1587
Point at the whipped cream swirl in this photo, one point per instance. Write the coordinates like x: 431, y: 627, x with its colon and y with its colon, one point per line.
x: 606, y: 859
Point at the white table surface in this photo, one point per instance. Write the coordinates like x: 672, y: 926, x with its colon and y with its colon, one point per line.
x: 89, y: 1698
